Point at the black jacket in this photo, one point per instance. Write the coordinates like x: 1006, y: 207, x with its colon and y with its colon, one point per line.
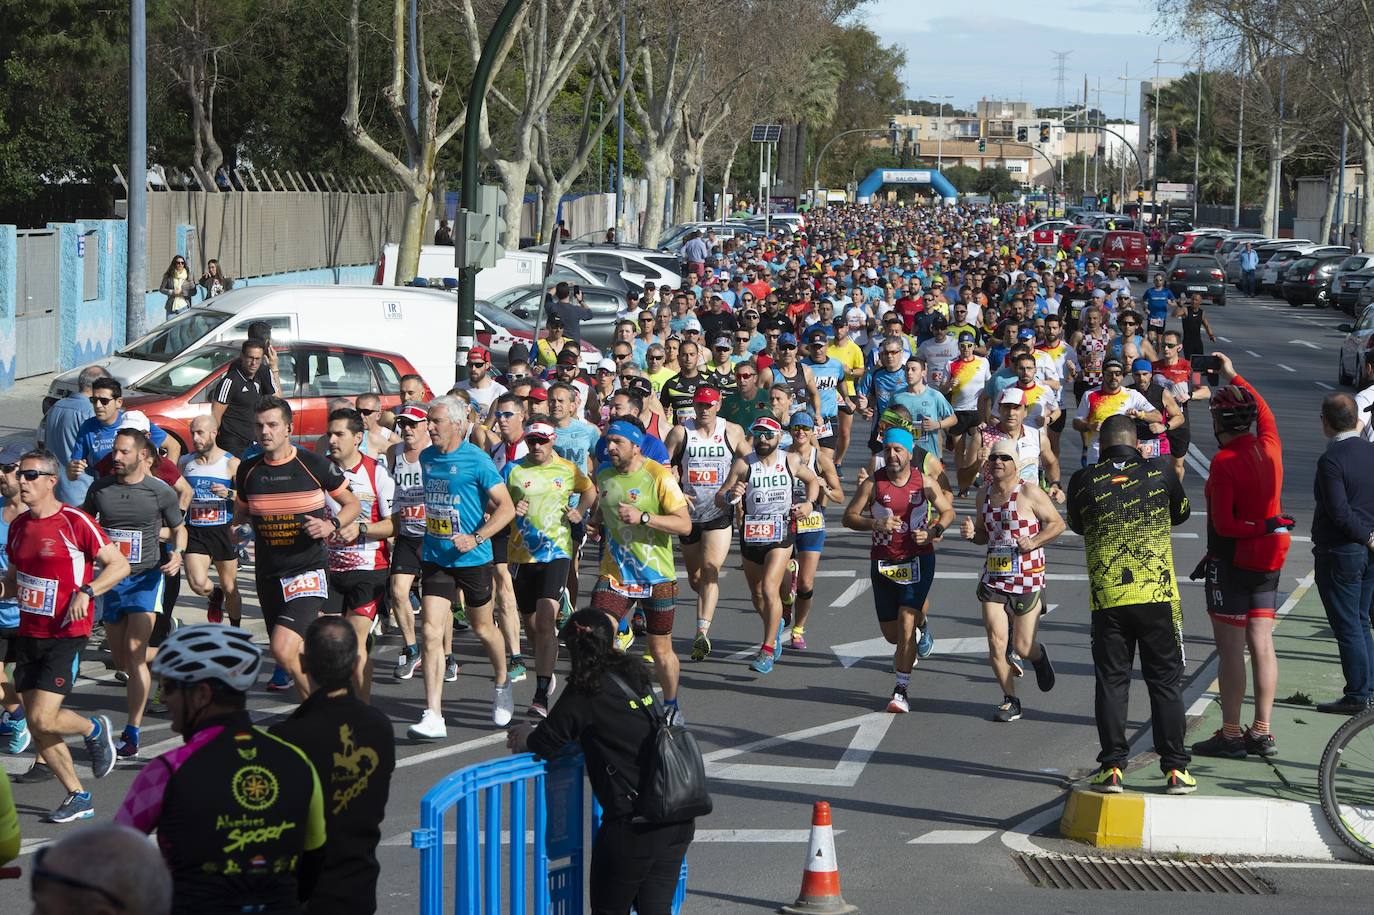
x: 1345, y: 494
x: 354, y: 752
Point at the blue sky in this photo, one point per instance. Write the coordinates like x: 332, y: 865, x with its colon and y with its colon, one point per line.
x: 990, y: 48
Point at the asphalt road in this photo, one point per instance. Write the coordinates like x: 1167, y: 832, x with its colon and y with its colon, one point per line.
x: 933, y: 802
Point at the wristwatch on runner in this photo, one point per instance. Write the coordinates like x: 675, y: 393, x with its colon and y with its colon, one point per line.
x: 86, y: 590
x: 643, y: 518
x: 362, y: 530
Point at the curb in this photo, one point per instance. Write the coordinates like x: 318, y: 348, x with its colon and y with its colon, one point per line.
x: 1162, y: 824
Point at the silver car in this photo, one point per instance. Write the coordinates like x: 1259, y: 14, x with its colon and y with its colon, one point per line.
x: 1230, y: 251
x: 1358, y: 339
x: 1353, y: 274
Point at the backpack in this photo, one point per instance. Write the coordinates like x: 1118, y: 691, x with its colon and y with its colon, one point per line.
x: 672, y: 779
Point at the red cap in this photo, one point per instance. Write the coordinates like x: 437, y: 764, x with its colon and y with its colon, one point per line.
x: 706, y: 395
x: 767, y: 423
x: 539, y: 394
x: 567, y: 357
x: 480, y: 352
x: 411, y: 412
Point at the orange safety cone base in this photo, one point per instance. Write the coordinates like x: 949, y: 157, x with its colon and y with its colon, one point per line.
x: 820, y: 889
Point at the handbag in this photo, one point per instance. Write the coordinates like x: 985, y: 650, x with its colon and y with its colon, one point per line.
x: 672, y: 778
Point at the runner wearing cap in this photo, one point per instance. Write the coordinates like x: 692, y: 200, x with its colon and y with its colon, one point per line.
x: 851, y: 358
x: 677, y: 392
x: 481, y: 387
x: 210, y: 471
x: 603, y: 386
x: 642, y: 507
x: 720, y: 369
x: 408, y: 514
x: 1017, y: 521
x: 541, y: 486
x: 702, y: 450
x: 1111, y: 399
x: 829, y: 374
x: 789, y: 372
x: 764, y: 481
x: 798, y: 593
x: 895, y: 506
x: 968, y: 375
x: 1035, y: 458
x: 567, y: 370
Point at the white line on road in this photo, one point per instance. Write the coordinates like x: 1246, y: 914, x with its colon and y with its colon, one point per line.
x: 835, y: 573
x: 953, y: 837
x: 1223, y: 339
x: 849, y: 594
x: 869, y: 730
x: 1197, y: 464
x: 1286, y: 368
x: 1200, y: 704
x: 1305, y: 343
x: 475, y: 744
x: 768, y: 836
x: 1251, y: 352
x: 1323, y: 385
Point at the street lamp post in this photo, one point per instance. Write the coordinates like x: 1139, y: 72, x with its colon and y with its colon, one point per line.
x: 940, y: 131
x: 1197, y: 138
x: 136, y: 265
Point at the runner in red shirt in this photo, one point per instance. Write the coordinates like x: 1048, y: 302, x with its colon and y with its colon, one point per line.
x: 53, y: 549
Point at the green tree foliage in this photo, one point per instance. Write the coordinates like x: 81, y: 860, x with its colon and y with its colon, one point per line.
x: 996, y: 182
x: 867, y: 95
x: 963, y: 177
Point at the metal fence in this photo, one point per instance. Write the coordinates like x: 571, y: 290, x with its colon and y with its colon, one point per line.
x: 254, y: 233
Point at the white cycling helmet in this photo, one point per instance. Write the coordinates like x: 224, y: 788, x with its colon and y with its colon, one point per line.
x: 209, y: 651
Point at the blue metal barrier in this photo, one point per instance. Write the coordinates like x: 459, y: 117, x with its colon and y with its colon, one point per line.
x: 558, y: 852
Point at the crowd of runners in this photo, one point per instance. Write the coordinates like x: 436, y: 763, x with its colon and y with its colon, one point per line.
x: 910, y: 373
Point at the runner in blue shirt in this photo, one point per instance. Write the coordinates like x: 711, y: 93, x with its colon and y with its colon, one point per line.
x: 95, y: 438
x: 829, y: 375
x: 1159, y: 302
x: 876, y: 388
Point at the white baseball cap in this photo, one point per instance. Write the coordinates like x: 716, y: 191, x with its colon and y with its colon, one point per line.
x: 135, y: 419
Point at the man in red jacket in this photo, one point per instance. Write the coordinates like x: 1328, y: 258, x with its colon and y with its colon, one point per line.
x: 1247, y: 541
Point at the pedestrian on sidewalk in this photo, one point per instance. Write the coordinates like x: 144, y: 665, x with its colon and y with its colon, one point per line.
x: 1123, y: 506
x: 1343, y: 549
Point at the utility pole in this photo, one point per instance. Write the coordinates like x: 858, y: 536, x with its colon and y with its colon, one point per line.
x: 136, y: 268
x: 1197, y: 137
x: 1340, y: 186
x: 1097, y: 158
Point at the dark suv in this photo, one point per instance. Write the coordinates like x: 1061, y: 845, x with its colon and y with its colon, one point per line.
x: 1307, y: 280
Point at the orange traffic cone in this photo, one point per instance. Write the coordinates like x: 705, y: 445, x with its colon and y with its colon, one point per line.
x: 820, y: 889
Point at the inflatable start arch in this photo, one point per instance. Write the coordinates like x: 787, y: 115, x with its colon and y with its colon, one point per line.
x: 938, y: 182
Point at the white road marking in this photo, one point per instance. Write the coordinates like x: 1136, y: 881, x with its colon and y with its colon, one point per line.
x: 1200, y: 704
x: 1223, y: 339
x: 1197, y: 464
x: 858, y: 587
x: 1305, y: 343
x: 953, y: 837
x: 1324, y: 386
x: 868, y: 734
x: 766, y: 836
x: 439, y: 753
x: 835, y: 573
x: 1286, y: 368
x: 1251, y: 352
x: 851, y: 653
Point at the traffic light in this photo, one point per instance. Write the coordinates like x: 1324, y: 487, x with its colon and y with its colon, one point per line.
x: 1022, y: 134
x: 1140, y: 195
x: 481, y: 229
x: 1103, y: 199
x: 1044, y: 131
x: 982, y: 145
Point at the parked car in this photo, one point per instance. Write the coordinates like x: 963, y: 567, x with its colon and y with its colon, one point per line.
x: 1182, y: 242
x: 525, y: 302
x: 1359, y: 339
x: 1128, y: 250
x: 1272, y: 273
x: 1113, y: 221
x: 791, y: 222
x: 1351, y: 277
x: 677, y: 235
x: 1231, y: 249
x: 1307, y: 280
x: 1189, y: 273
x: 367, y: 316
x: 1090, y: 240
x: 1068, y: 236
x: 311, y: 374
x: 1209, y: 243
x: 639, y: 266
x: 1046, y: 233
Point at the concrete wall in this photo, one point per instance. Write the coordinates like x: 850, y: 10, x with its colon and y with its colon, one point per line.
x: 9, y: 293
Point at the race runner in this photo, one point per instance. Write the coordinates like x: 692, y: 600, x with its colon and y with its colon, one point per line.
x: 1176, y: 374
x: 408, y: 507
x: 810, y: 528
x: 210, y: 471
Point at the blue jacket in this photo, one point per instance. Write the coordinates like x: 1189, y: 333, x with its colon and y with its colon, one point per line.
x: 1345, y: 494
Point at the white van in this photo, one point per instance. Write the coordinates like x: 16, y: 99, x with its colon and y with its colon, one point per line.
x: 516, y: 268
x: 419, y: 324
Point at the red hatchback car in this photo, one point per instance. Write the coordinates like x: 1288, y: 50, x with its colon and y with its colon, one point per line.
x: 311, y: 373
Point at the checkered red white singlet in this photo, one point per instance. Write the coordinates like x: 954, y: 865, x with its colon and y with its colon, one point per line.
x: 1005, y: 525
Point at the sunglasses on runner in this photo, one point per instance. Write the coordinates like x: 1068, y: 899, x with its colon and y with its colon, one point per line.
x: 504, y: 414
x: 32, y: 475
x: 368, y: 412
x: 1000, y: 457
x: 768, y: 435
x: 8, y: 468
x: 103, y: 401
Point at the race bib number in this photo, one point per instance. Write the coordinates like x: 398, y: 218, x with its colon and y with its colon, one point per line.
x: 703, y: 477
x: 1149, y: 448
x: 439, y: 525
x: 1156, y: 324
x: 1093, y: 363
x: 682, y: 414
x: 903, y: 573
x: 823, y: 431
x: 1003, y: 561
x: 306, y: 584
x: 208, y: 515
x: 938, y: 378
x: 812, y: 522
x: 414, y: 513
x: 130, y: 543
x: 37, y: 595
x: 763, y: 528
x: 630, y: 589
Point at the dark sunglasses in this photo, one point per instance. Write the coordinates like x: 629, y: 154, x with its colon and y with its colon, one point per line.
x: 103, y: 401
x: 403, y: 424
x: 745, y: 376
x: 652, y: 358
x: 42, y: 873
x: 477, y: 365
x: 1000, y: 457
x: 8, y: 468
x: 621, y: 356
x: 763, y: 434
x: 32, y: 475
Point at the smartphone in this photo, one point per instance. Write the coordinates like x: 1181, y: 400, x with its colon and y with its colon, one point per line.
x: 1209, y: 366
x: 577, y: 290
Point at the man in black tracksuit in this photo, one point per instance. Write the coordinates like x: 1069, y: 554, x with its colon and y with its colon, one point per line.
x: 353, y: 750
x: 1124, y: 507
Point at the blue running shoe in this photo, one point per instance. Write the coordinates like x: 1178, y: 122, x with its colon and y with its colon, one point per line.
x: 763, y: 662
x: 925, y: 646
x: 100, y: 745
x: 19, y: 737
x: 77, y: 806
x: 777, y: 640
x: 281, y: 680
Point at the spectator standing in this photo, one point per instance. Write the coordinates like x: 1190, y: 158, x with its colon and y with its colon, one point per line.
x: 1249, y: 263
x: 60, y: 427
x: 694, y: 254
x: 443, y: 235
x: 1343, y: 549
x: 177, y: 286
x: 569, y: 313
x: 352, y: 748
x: 213, y: 282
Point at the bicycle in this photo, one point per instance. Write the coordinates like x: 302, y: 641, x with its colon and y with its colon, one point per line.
x: 1346, y: 779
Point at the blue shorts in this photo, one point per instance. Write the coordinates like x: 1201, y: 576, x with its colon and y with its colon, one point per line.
x: 811, y: 541
x: 139, y: 593
x: 890, y: 596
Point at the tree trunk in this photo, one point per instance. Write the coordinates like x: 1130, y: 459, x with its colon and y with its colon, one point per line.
x: 1328, y: 211
x: 725, y: 182
x: 1269, y: 218
x: 514, y: 176
x: 413, y: 230
x: 1367, y: 181
x: 657, y: 164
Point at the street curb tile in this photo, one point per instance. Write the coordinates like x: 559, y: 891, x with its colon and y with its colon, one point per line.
x: 1163, y: 824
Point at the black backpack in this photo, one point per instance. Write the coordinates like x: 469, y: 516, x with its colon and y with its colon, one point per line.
x: 672, y: 778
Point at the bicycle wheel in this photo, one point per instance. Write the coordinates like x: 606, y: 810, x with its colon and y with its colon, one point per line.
x: 1347, y: 783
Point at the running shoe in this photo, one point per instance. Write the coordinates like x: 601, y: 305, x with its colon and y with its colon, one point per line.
x: 19, y: 737
x: 898, y: 704
x: 515, y: 669
x: 777, y: 641
x: 1107, y: 781
x: 565, y: 608
x: 77, y: 806
x: 214, y: 609
x: 1221, y: 746
x: 451, y: 668
x: 1044, y: 671
x: 406, y: 665
x: 623, y: 641
x: 763, y: 662
x: 701, y: 647
x: 648, y: 655
x: 281, y: 681
x: 1178, y: 781
x: 925, y: 645
x: 121, y: 677
x: 1018, y: 667
x: 460, y: 620
x: 503, y: 704
x: 1258, y: 744
x: 127, y: 748
x: 156, y: 703
x: 539, y: 707
x: 35, y: 774
x: 430, y: 727
x: 1009, y: 710
x: 100, y: 746
x: 797, y: 641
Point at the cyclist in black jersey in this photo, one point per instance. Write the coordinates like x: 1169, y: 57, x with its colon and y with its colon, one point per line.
x: 238, y: 812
